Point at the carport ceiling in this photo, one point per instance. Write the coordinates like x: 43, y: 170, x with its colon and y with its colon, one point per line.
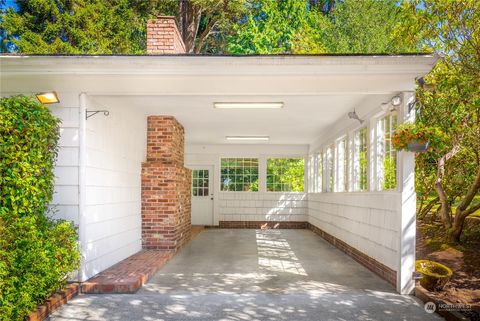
x: 300, y: 121
x: 316, y: 90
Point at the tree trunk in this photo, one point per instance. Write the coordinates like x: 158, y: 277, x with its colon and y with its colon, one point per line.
x: 425, y: 210
x: 462, y: 212
x: 445, y: 210
x: 204, y: 35
x: 189, y: 22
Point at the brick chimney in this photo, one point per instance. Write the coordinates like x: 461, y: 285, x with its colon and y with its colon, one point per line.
x: 163, y: 36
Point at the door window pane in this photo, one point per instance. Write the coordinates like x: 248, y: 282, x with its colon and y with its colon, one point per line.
x: 200, y: 182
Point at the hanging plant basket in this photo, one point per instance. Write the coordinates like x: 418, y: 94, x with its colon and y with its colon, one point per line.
x: 418, y: 146
x: 418, y: 138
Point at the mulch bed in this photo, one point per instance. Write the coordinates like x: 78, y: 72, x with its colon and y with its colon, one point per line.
x: 463, y: 259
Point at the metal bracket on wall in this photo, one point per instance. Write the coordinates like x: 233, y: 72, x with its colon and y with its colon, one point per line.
x: 90, y: 113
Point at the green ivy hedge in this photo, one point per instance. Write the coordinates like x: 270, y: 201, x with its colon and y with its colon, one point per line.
x: 37, y: 253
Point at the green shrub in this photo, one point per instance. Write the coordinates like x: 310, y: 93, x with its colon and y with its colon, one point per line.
x: 36, y: 253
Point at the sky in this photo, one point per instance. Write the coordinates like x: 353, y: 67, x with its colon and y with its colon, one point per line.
x: 8, y: 3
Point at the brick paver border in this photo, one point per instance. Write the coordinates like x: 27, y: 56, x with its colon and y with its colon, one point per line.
x: 54, y: 302
x: 128, y: 275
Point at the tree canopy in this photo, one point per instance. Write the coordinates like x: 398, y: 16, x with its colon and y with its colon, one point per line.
x: 208, y: 26
x: 449, y: 97
x: 293, y: 26
x: 74, y: 27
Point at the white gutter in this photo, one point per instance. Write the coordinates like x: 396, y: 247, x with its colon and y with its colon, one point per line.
x: 82, y: 183
x: 216, y: 65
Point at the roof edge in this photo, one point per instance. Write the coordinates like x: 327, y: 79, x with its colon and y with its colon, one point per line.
x: 408, y: 54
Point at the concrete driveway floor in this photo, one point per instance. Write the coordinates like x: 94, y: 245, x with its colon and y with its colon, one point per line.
x: 254, y: 275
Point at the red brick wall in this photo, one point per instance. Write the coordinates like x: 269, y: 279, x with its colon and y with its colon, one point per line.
x: 166, y: 187
x: 165, y: 140
x: 163, y: 36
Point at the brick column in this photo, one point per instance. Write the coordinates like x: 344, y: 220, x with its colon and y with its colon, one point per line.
x: 166, y: 184
x: 163, y: 36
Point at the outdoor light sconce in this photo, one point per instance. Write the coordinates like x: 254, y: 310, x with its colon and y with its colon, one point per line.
x: 90, y: 113
x: 396, y: 101
x: 353, y: 115
x: 392, y: 104
x: 48, y: 97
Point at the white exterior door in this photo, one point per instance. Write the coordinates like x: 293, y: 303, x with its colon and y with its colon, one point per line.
x: 202, y: 195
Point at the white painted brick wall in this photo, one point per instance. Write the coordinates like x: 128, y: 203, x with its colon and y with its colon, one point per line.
x: 366, y: 221
x: 115, y: 147
x: 65, y: 198
x: 267, y: 206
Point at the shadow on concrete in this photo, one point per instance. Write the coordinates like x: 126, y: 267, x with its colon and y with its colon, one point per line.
x: 255, y: 275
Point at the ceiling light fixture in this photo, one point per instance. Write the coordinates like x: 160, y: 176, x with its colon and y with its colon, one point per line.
x: 250, y: 138
x: 248, y: 105
x: 49, y: 97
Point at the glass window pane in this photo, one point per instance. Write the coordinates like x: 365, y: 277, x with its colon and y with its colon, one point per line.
x: 285, y: 174
x: 238, y: 174
x: 360, y: 160
x: 386, y: 155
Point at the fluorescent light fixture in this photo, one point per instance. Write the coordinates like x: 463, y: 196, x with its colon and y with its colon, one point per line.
x: 248, y: 105
x: 49, y: 97
x: 257, y: 138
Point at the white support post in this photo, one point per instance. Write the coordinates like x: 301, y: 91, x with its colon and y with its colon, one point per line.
x: 372, y: 154
x: 407, y: 217
x: 262, y: 174
x: 82, y: 183
x: 307, y: 174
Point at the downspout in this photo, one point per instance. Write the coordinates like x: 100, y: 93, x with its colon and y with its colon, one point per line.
x: 82, y: 182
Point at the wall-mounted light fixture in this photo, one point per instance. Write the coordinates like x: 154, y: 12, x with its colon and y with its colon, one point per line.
x: 396, y: 101
x: 48, y: 97
x: 392, y: 104
x: 247, y: 138
x: 248, y: 105
x: 353, y: 115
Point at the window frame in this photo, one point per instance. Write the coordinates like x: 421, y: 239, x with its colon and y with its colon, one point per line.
x: 356, y: 160
x: 221, y: 176
x: 205, y: 190
x: 341, y: 165
x: 308, y: 171
x: 379, y: 157
x: 329, y: 156
x: 318, y: 172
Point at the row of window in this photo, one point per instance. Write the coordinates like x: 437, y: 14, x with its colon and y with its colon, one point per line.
x: 363, y: 160
x: 242, y: 174
x: 344, y: 165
